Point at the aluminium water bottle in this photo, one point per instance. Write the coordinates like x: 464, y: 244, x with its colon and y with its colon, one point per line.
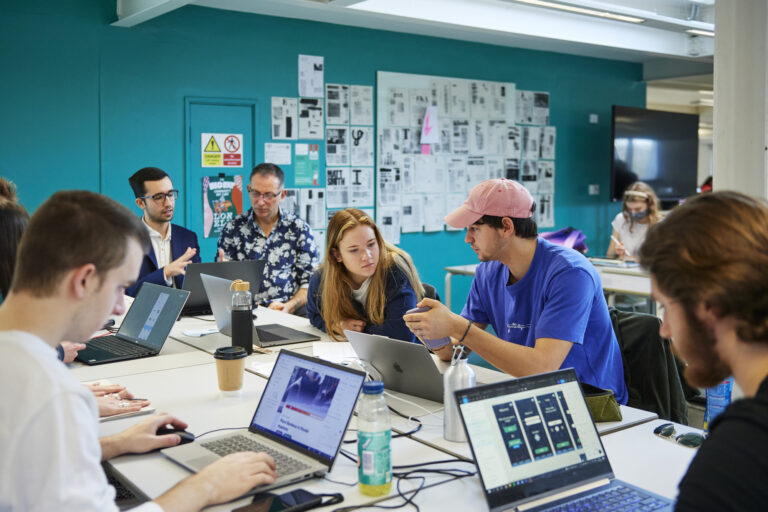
x: 458, y: 376
x: 374, y: 436
x: 242, y: 315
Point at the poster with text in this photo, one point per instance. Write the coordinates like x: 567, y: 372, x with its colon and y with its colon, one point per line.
x: 222, y: 201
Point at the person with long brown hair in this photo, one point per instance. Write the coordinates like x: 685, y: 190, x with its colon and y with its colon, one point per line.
x: 639, y: 213
x: 364, y: 284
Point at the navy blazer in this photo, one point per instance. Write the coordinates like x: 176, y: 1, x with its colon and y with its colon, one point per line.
x: 181, y: 238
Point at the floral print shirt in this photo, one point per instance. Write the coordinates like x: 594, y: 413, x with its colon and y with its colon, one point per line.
x: 290, y: 252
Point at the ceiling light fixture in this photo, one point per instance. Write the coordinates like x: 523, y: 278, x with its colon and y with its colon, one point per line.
x: 581, y: 10
x: 701, y: 32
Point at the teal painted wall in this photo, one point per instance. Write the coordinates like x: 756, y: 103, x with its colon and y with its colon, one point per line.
x: 84, y: 104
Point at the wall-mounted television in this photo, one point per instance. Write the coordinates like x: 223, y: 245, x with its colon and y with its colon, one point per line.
x: 657, y: 147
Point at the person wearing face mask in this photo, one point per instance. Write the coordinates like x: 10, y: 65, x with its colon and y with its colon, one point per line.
x: 638, y: 214
x: 364, y: 283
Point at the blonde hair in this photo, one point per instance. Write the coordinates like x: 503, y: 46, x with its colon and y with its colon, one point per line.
x: 641, y: 193
x: 336, y: 283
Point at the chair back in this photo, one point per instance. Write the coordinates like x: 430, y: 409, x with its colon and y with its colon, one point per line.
x: 650, y: 369
x: 430, y: 292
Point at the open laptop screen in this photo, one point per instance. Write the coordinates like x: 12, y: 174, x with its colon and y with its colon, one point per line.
x: 308, y: 402
x: 152, y: 315
x: 532, y: 436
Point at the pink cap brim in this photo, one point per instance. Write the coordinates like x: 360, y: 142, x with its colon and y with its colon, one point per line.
x: 462, y: 217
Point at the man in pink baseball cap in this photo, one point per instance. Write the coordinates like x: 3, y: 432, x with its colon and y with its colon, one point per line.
x: 544, y: 301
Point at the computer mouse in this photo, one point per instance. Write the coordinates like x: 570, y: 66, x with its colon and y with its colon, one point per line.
x: 186, y: 437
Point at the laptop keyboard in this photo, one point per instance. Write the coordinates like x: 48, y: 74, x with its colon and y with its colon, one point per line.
x: 285, y: 464
x: 616, y: 499
x: 119, y: 347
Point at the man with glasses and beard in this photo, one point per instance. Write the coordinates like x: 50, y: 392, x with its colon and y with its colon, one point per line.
x: 708, y: 262
x: 266, y: 232
x: 173, y: 247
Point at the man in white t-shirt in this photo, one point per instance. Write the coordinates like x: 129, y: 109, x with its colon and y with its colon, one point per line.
x: 63, y: 290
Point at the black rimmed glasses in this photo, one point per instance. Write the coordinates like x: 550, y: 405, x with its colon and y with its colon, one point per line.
x: 689, y: 439
x: 256, y: 195
x: 162, y: 196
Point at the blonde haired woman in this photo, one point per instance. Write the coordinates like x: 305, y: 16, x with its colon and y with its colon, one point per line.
x: 638, y: 214
x: 364, y: 283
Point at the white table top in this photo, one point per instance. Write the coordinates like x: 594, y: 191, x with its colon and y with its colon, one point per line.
x: 192, y: 395
x: 636, y: 455
x: 183, y: 382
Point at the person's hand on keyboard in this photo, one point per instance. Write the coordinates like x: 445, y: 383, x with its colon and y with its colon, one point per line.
x: 234, y: 475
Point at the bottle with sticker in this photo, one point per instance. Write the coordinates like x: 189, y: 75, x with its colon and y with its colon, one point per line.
x: 374, y: 435
x: 718, y: 398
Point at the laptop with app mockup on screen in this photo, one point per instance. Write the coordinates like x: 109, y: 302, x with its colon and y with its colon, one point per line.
x: 270, y: 335
x: 537, y: 448
x: 197, y: 304
x: 144, y: 330
x: 300, y: 420
x: 404, y: 366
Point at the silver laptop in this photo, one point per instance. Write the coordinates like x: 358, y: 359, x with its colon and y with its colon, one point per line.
x: 300, y: 420
x: 269, y: 335
x: 197, y: 304
x: 403, y: 366
x: 537, y: 448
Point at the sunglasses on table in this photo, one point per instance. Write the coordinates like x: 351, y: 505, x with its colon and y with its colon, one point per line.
x: 689, y: 439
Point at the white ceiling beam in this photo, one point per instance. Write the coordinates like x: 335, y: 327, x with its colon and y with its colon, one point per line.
x: 134, y: 12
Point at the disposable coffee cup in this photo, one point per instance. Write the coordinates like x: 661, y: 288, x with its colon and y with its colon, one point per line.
x: 230, y: 366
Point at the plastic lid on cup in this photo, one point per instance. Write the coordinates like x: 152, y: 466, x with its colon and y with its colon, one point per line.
x: 373, y: 387
x: 230, y: 353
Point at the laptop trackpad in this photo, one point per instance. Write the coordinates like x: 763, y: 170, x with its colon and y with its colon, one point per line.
x: 201, y: 462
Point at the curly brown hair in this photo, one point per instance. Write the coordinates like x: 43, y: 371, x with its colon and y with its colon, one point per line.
x: 714, y: 249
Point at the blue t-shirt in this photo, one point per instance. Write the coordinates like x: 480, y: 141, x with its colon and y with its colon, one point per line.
x: 560, y: 297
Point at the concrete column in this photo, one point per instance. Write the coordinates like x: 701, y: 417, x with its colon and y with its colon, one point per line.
x: 741, y: 97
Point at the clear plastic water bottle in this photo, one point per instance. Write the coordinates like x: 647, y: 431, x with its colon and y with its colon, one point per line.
x: 242, y: 315
x: 718, y: 398
x: 458, y: 376
x: 374, y: 436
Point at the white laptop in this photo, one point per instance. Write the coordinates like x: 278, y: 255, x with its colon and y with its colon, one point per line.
x: 404, y: 366
x: 300, y: 420
x: 269, y: 335
x: 537, y: 448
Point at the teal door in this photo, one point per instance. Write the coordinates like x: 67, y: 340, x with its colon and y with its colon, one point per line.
x: 207, y: 115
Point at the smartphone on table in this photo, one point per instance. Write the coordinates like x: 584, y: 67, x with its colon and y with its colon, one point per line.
x: 292, y: 501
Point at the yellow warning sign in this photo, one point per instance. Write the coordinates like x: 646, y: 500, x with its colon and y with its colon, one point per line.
x: 212, y: 160
x: 212, y: 147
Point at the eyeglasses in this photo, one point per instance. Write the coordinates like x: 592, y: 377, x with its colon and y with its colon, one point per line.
x: 689, y: 439
x: 256, y: 195
x: 161, y: 197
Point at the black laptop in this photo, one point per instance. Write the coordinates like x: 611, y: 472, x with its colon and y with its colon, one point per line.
x: 537, y: 448
x: 197, y: 304
x: 144, y: 330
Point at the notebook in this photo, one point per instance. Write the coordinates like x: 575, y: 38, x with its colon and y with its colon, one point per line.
x: 197, y: 304
x: 270, y: 335
x: 300, y: 420
x: 403, y: 366
x: 537, y: 448
x: 144, y: 330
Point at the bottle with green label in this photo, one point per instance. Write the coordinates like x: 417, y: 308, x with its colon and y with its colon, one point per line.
x: 374, y: 435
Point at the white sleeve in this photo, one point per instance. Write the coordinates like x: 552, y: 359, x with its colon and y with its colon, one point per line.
x: 617, y: 223
x: 58, y: 457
